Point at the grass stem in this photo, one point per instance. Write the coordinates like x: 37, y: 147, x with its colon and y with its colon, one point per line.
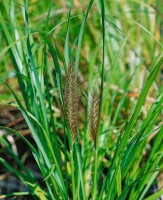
x: 80, y: 169
x: 95, y: 175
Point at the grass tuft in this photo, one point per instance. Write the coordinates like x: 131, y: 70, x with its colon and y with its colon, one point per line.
x: 115, y: 45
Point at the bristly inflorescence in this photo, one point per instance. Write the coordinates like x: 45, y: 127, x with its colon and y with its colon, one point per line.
x: 94, y: 115
x: 71, y: 99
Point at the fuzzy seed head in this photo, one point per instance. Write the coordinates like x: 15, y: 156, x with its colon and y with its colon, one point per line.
x: 94, y: 115
x: 71, y: 100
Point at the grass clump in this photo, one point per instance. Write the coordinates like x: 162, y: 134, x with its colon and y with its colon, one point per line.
x: 123, y: 120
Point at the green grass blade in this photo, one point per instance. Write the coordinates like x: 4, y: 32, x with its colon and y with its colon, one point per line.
x: 81, y: 34
x: 139, y: 104
x: 14, y: 194
x: 67, y: 48
x: 156, y: 195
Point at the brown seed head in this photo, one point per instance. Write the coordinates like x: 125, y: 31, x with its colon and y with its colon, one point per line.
x: 71, y: 99
x: 94, y: 115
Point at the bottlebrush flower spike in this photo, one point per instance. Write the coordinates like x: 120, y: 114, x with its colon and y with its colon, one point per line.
x: 94, y: 115
x: 71, y: 100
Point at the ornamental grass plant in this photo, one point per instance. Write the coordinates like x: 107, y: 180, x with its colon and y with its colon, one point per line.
x: 87, y: 78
